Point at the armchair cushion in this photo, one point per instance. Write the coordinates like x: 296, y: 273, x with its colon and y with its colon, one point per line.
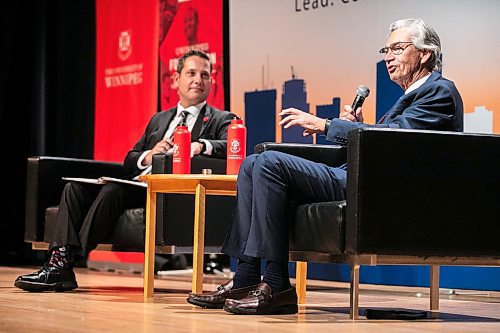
x: 127, y: 235
x: 319, y: 227
x: 130, y: 229
x: 50, y: 222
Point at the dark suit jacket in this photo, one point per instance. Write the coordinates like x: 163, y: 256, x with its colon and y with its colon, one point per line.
x: 435, y: 105
x: 210, y: 125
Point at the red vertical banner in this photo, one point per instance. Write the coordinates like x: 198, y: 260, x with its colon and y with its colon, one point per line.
x: 127, y: 33
x: 190, y: 25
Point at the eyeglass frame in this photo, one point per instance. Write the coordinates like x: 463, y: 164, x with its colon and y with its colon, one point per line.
x: 395, y: 48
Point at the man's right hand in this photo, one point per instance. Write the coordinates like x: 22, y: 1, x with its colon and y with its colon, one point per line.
x: 161, y: 147
x: 296, y: 117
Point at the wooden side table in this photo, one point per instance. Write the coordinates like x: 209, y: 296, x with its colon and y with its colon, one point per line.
x: 200, y: 186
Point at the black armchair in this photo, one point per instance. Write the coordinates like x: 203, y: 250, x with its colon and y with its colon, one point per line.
x: 174, y: 212
x: 413, y: 198
x: 44, y: 185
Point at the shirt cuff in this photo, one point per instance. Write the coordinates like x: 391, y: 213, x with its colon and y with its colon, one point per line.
x: 141, y: 158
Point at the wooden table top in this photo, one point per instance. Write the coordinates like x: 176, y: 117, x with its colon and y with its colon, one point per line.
x: 187, y: 183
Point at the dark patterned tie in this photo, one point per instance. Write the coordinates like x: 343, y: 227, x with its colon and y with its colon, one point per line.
x: 184, y: 115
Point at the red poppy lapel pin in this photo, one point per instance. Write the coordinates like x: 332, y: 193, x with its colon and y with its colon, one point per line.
x: 205, y: 119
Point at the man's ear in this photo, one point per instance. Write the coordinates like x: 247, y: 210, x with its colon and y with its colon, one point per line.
x: 175, y: 80
x: 426, y: 56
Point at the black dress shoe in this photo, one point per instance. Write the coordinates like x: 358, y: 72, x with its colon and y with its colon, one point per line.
x: 48, y: 279
x: 261, y: 301
x: 216, y: 299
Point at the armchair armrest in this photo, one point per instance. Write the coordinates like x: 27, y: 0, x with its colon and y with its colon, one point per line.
x: 44, y: 185
x: 331, y: 155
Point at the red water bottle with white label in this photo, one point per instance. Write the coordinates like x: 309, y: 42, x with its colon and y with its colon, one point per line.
x: 181, y: 162
x: 236, y: 146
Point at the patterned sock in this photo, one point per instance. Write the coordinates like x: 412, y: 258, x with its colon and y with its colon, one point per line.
x: 60, y: 257
x: 247, y: 273
x: 276, y: 276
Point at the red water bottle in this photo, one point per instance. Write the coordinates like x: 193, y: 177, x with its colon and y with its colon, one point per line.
x: 182, y: 151
x: 236, y: 146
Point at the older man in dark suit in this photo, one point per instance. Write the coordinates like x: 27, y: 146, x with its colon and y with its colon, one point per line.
x: 270, y: 182
x: 88, y: 213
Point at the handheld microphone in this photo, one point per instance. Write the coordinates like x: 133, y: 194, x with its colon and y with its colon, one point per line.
x: 361, y: 94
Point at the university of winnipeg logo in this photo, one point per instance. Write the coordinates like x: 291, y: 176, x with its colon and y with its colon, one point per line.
x: 124, y: 45
x: 235, y: 146
x: 176, y: 150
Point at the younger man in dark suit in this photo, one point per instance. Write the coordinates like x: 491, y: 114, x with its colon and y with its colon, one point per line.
x: 88, y: 213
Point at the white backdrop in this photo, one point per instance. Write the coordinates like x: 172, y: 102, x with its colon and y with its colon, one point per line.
x: 335, y: 48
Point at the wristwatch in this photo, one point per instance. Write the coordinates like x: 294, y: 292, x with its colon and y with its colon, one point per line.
x: 203, y: 146
x: 327, y: 125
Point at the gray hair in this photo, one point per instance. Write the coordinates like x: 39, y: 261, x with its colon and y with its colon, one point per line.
x: 423, y: 38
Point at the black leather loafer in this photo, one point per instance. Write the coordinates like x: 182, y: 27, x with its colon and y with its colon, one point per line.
x: 216, y: 299
x: 48, y: 279
x: 261, y: 301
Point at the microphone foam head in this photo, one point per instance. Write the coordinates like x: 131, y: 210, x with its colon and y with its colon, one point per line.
x: 363, y: 91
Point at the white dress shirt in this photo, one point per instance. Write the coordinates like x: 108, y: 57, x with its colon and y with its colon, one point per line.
x: 193, y: 113
x: 417, y: 84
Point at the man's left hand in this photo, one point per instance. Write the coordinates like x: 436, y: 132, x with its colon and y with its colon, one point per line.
x: 310, y: 123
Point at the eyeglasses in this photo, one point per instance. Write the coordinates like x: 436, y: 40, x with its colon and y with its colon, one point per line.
x: 395, y: 48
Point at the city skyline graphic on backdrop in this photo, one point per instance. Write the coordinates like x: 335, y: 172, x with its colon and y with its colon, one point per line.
x: 261, y: 104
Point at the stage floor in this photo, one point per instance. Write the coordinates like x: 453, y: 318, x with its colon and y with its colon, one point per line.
x: 113, y: 302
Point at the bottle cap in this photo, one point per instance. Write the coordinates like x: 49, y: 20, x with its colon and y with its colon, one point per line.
x: 236, y: 120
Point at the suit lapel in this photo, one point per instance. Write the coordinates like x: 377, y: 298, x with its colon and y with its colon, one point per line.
x: 394, y: 110
x: 199, y: 126
x: 405, y: 100
x: 163, y: 126
x: 201, y: 123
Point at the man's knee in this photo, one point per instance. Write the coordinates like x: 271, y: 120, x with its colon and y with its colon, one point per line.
x: 111, y: 191
x: 247, y: 164
x: 72, y: 189
x: 271, y: 159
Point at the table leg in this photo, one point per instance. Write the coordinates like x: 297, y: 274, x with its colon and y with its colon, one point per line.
x: 198, y: 239
x: 434, y: 286
x: 301, y: 281
x: 149, y: 250
x: 354, y: 293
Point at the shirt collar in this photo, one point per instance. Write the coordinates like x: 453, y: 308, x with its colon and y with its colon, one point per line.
x: 193, y: 109
x: 417, y: 84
